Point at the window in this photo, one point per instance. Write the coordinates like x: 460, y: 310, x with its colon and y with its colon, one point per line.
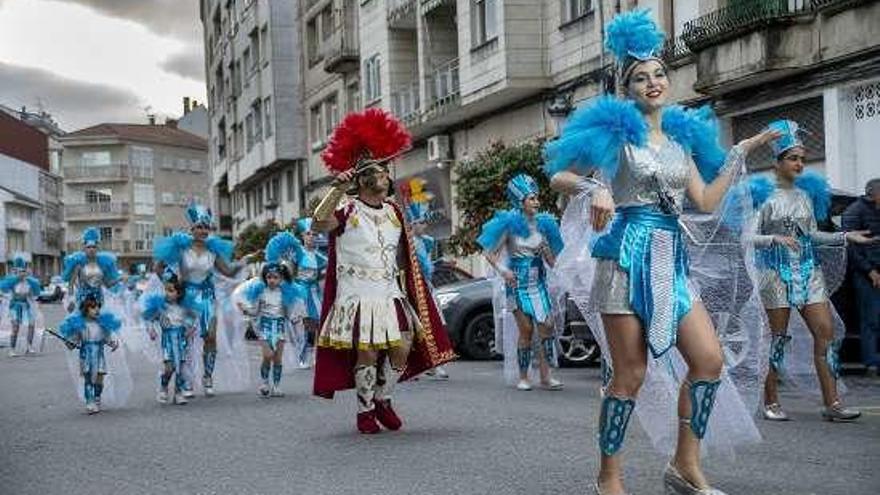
x: 144, y: 199
x: 167, y: 198
x: 257, y: 109
x: 267, y: 116
x: 144, y: 233
x: 254, y: 50
x: 264, y: 44
x: 221, y: 140
x: 98, y: 195
x: 276, y: 188
x: 248, y: 202
x: 484, y: 23
x: 248, y: 61
x: 316, y: 125
x: 372, y: 87
x: 312, y: 41
x: 331, y: 114
x: 106, y: 235
x: 258, y: 201
x: 94, y: 158
x: 249, y: 125
x: 141, y: 161
x: 572, y: 10
x: 291, y: 189
x: 326, y: 23
x: 167, y: 231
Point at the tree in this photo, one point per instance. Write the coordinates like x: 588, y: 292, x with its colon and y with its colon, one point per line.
x: 482, y: 188
x: 255, y: 237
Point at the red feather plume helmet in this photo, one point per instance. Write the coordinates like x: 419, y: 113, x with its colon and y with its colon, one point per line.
x: 364, y: 139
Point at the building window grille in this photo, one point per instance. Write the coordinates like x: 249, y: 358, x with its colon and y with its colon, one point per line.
x: 808, y: 113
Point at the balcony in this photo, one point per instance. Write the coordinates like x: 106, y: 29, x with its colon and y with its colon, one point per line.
x: 444, y: 89
x: 117, y: 172
x: 429, y: 6
x: 755, y: 42
x: 675, y: 51
x: 18, y: 223
x: 109, y: 210
x: 401, y: 14
x: 139, y: 247
x: 340, y: 50
x: 406, y: 105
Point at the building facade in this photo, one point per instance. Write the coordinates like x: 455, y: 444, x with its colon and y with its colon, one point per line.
x: 133, y: 183
x: 257, y: 132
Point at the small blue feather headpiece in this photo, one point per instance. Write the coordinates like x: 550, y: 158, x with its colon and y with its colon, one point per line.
x: 303, y: 225
x: 633, y: 37
x: 272, y: 268
x: 199, y: 215
x: 18, y: 262
x: 91, y: 236
x: 417, y: 212
x: 168, y: 274
x: 519, y: 188
x: 789, y: 138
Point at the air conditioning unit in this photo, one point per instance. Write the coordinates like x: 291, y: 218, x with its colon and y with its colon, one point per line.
x: 438, y: 148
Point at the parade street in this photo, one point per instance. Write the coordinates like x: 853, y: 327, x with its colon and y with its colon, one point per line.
x: 469, y: 435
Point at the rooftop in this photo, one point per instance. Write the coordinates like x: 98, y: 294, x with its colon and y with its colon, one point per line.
x: 142, y: 133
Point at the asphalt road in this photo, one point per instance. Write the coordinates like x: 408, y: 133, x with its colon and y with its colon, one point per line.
x: 470, y: 435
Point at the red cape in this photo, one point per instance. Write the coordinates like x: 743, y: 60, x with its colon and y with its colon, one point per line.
x: 431, y: 347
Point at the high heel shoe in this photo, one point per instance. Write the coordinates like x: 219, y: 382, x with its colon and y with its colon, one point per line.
x: 598, y: 491
x: 676, y: 484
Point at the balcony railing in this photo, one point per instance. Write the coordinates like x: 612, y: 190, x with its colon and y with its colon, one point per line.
x: 675, y: 49
x: 443, y: 85
x: 116, y: 171
x: 405, y: 103
x: 430, y: 5
x: 90, y: 210
x: 118, y: 246
x: 340, y: 50
x: 401, y: 11
x: 740, y: 18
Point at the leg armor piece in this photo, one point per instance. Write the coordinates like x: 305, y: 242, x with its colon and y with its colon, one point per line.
x: 613, y: 421
x: 778, y: 344
x: 524, y: 358
x: 702, y: 401
x: 548, y: 345
x: 209, y: 359
x: 832, y: 357
x: 365, y: 383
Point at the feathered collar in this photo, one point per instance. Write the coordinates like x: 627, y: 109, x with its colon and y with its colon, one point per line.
x: 514, y: 222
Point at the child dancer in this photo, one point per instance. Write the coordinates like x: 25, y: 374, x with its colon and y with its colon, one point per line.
x: 22, y: 310
x: 89, y: 330
x: 176, y: 316
x: 272, y: 301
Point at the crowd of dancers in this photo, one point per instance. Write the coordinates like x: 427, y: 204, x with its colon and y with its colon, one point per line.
x: 668, y: 249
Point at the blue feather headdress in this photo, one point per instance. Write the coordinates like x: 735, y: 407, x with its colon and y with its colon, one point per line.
x: 789, y: 138
x: 283, y: 246
x: 633, y: 37
x: 519, y: 188
x: 91, y: 236
x: 18, y: 262
x: 304, y: 225
x: 197, y: 214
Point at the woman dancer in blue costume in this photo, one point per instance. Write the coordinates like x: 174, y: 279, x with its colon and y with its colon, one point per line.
x: 177, y: 318
x: 787, y: 240
x: 417, y: 214
x: 635, y: 159
x: 89, y: 271
x: 273, y: 301
x: 197, y: 257
x: 307, y: 266
x: 22, y: 290
x: 528, y: 240
x: 89, y: 330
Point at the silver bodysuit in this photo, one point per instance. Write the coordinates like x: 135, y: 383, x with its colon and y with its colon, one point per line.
x: 22, y: 290
x: 643, y: 172
x: 196, y: 266
x: 91, y: 275
x: 270, y: 303
x: 175, y: 316
x: 789, y: 212
x: 526, y: 247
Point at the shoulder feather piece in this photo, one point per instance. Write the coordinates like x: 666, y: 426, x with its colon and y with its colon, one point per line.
x: 696, y: 130
x: 281, y: 246
x: 221, y: 248
x: 169, y: 250
x: 594, y: 135
x: 817, y: 188
x: 8, y: 282
x: 109, y: 322
x: 549, y: 228
x: 749, y: 195
x: 71, y: 262
x: 291, y: 293
x: 107, y: 261
x: 153, y: 306
x: 253, y: 290
x: 35, y: 286
x: 72, y: 325
x: 511, y: 222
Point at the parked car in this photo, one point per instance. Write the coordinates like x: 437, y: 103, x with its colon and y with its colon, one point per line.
x: 467, y: 307
x: 53, y: 292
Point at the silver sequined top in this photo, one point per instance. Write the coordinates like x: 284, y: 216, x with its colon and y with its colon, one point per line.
x: 525, y: 247
x: 22, y: 290
x: 197, y: 266
x: 91, y: 275
x: 789, y: 212
x: 270, y: 303
x: 175, y: 316
x: 93, y: 331
x: 645, y: 170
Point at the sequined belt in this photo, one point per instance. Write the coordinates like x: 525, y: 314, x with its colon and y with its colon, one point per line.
x: 795, y: 271
x: 374, y: 274
x: 647, y: 244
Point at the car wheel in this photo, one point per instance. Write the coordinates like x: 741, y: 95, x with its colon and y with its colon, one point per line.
x: 479, y: 336
x: 576, y: 350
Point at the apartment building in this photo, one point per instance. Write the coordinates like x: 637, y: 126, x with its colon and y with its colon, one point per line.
x: 331, y: 60
x: 257, y: 132
x: 133, y: 183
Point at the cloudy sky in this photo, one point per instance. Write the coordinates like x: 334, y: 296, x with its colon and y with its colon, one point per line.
x: 93, y: 61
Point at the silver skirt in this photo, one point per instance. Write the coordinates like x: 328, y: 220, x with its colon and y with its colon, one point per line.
x: 610, y: 291
x: 774, y: 292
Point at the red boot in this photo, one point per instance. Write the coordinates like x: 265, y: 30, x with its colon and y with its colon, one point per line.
x: 386, y: 415
x: 366, y: 422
